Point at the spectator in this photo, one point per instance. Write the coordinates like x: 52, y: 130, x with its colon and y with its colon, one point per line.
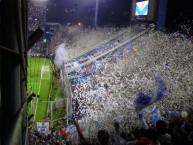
x: 145, y: 141
x: 103, y: 137
x: 163, y: 136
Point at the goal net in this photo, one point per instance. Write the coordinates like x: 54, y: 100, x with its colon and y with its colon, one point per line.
x: 45, y: 72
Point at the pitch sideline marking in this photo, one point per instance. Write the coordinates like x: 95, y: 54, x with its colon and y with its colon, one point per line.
x: 38, y: 94
x: 36, y: 109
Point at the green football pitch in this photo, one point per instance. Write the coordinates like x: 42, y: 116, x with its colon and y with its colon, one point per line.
x: 39, y: 82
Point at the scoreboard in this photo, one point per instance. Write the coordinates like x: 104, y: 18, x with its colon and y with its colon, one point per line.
x: 144, y: 10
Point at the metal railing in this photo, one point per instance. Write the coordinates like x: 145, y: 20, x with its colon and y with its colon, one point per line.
x: 67, y: 89
x: 95, y: 47
x: 107, y: 52
x: 13, y: 76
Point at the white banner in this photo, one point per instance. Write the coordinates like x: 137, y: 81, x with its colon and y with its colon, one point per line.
x: 43, y: 127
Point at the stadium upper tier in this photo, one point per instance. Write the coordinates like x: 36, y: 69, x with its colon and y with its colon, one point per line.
x: 105, y: 48
x: 104, y: 88
x: 95, y: 48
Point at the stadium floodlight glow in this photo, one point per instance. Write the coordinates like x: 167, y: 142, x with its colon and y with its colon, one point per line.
x: 96, y: 13
x: 79, y: 24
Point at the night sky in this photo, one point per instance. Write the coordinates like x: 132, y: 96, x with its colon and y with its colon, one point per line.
x: 111, y: 12
x: 178, y: 13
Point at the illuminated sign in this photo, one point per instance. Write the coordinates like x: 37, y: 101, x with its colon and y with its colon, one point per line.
x: 141, y: 8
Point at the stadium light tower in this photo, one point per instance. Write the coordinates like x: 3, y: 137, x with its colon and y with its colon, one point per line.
x: 96, y: 13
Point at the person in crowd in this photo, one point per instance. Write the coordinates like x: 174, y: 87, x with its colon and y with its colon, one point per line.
x: 119, y: 140
x: 163, y: 136
x: 145, y: 141
x: 103, y: 137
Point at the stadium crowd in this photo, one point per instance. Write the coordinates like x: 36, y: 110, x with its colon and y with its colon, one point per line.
x: 105, y: 91
x: 176, y: 129
x: 37, y: 15
x: 109, y: 95
x: 37, y: 18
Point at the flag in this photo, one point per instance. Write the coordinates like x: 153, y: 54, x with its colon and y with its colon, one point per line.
x: 155, y: 114
x: 64, y: 133
x: 141, y: 8
x: 161, y: 88
x: 142, y: 101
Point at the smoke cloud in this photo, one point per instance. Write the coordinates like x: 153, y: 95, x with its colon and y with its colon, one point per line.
x: 60, y: 55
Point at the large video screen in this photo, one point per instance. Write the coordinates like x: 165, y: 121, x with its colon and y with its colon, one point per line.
x: 144, y: 10
x: 141, y: 8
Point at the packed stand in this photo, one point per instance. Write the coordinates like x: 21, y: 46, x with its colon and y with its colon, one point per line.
x: 97, y: 65
x: 114, y: 41
x: 176, y: 129
x: 37, y: 18
x: 110, y: 95
x: 106, y: 96
x: 49, y: 138
x: 37, y: 15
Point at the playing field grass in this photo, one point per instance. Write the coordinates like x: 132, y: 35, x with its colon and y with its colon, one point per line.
x: 40, y: 87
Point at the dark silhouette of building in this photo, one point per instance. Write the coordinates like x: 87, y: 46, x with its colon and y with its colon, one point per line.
x: 179, y: 14
x: 13, y: 72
